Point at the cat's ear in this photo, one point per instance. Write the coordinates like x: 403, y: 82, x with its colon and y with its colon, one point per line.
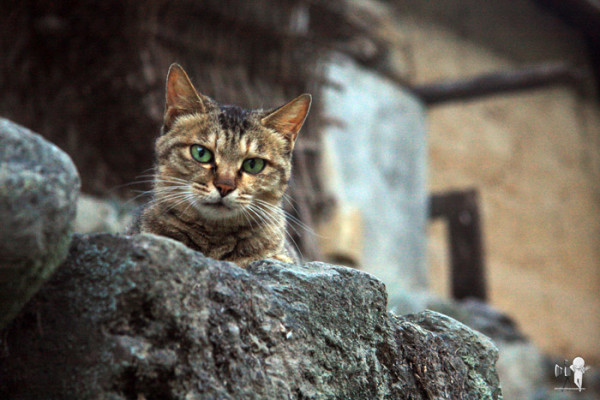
x: 289, y: 118
x: 182, y: 97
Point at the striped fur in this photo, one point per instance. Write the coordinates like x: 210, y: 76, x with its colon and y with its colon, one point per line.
x: 246, y: 224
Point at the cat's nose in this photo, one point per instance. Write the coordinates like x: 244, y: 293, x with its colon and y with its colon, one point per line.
x: 225, y: 186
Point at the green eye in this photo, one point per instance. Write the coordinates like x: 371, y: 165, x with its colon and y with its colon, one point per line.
x: 201, y: 154
x: 253, y: 165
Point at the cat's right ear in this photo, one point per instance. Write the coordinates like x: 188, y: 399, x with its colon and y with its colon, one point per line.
x: 288, y: 119
x: 182, y: 97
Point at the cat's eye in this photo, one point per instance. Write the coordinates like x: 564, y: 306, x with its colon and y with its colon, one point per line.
x: 253, y: 165
x: 201, y: 154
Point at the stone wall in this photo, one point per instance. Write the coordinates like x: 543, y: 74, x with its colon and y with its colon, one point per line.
x: 534, y: 157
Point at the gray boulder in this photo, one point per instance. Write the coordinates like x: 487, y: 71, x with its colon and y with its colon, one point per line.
x: 39, y: 186
x: 132, y: 317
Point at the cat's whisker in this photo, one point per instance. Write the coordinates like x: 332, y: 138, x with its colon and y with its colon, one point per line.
x: 290, y: 201
x: 130, y: 184
x: 170, y: 184
x: 159, y: 190
x: 242, y: 206
x: 271, y: 215
x: 287, y: 233
x: 261, y: 218
x: 172, y: 195
x: 154, y: 176
x: 161, y: 202
x: 167, y: 184
x: 114, y: 188
x: 299, y: 223
x: 146, y: 192
x: 195, y: 201
x: 171, y: 179
x: 153, y: 168
x: 142, y: 193
x: 291, y: 219
x: 263, y: 213
x: 163, y: 179
x: 151, y: 178
x: 183, y: 200
x: 248, y: 217
x: 192, y: 199
x: 167, y: 198
x: 269, y: 219
x: 171, y: 188
x: 256, y: 217
x: 267, y: 225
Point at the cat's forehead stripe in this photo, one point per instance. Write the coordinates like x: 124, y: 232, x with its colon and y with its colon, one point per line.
x: 233, y: 119
x: 245, y: 146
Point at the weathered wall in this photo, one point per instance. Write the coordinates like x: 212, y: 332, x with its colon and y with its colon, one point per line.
x: 535, y: 158
x: 380, y: 149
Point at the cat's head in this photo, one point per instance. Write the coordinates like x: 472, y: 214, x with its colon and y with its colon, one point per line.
x: 223, y: 162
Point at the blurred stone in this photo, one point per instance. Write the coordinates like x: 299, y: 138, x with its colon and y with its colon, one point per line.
x: 520, y: 368
x: 481, y: 317
x: 98, y: 215
x: 39, y: 186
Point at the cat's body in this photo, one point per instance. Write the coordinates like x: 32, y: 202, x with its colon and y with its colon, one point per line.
x: 221, y: 175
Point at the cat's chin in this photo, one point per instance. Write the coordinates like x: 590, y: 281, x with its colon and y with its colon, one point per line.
x: 217, y: 211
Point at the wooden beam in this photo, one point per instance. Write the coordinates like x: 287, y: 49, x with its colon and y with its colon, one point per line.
x: 542, y: 75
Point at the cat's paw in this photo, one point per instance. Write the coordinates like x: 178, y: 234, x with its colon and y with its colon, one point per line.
x: 283, y: 257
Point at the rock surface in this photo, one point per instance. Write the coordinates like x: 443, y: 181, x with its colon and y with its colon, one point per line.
x: 39, y: 186
x: 145, y: 317
x: 520, y: 364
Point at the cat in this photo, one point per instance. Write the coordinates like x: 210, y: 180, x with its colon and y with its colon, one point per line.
x: 221, y: 173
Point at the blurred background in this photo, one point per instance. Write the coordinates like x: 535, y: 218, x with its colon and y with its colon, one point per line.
x: 453, y: 147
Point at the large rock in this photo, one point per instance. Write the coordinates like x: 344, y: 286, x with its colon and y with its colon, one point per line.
x: 145, y: 317
x: 39, y: 186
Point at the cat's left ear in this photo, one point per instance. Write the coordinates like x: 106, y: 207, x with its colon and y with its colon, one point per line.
x: 182, y: 97
x: 289, y: 118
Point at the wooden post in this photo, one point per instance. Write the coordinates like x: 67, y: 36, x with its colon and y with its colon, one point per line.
x: 460, y: 209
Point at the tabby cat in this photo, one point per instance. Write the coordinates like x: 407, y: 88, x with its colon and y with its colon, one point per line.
x: 221, y: 173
